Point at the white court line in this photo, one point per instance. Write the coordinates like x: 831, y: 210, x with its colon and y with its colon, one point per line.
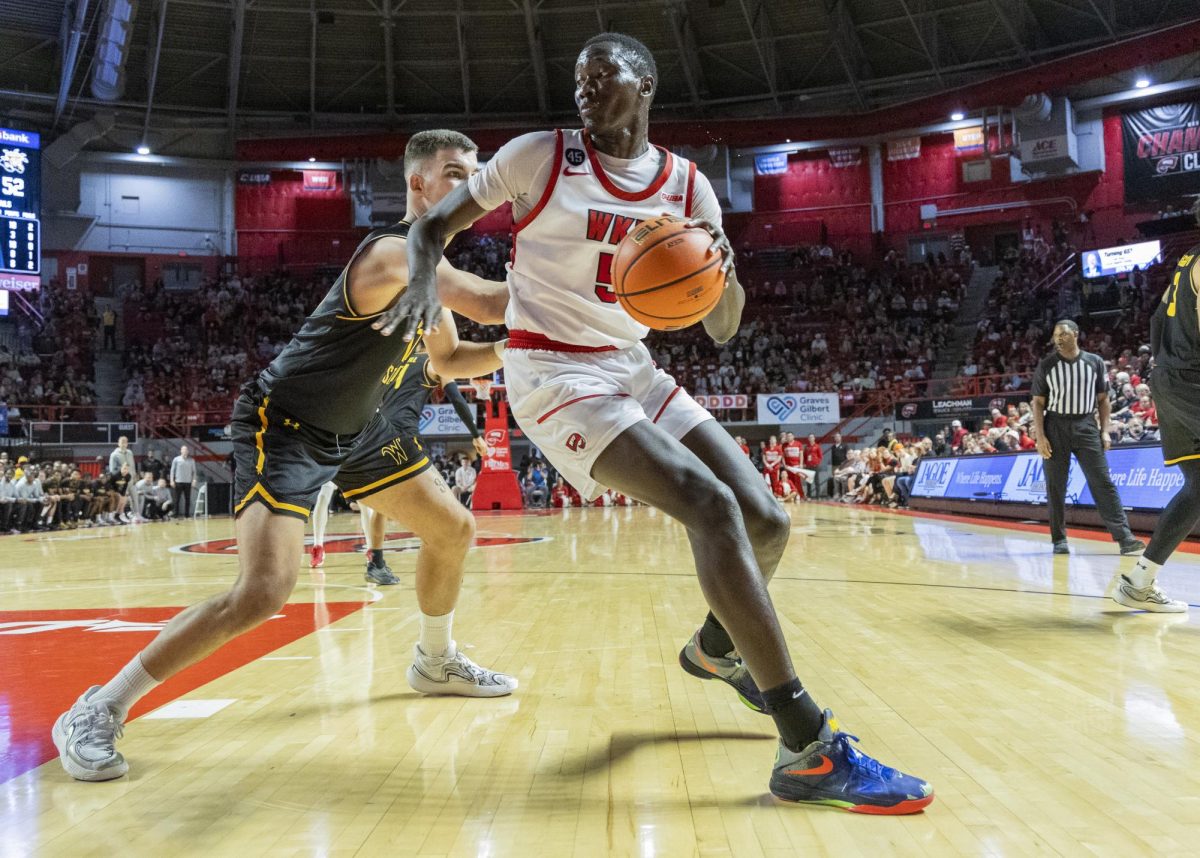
x: 285, y: 658
x: 189, y: 709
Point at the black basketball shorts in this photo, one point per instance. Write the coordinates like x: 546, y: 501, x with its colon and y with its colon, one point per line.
x: 1176, y: 396
x: 282, y: 461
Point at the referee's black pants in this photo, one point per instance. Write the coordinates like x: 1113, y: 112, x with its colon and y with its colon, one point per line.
x: 1081, y: 436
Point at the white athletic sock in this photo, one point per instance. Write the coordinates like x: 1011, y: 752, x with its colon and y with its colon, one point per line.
x: 1144, y: 572
x: 435, y: 633
x: 320, y: 513
x: 127, y: 687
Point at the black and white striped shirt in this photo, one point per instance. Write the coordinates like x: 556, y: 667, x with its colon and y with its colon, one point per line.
x: 1070, y: 386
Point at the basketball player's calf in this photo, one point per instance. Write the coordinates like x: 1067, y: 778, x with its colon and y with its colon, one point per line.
x: 446, y: 529
x: 1138, y: 588
x: 269, y: 553
x: 768, y: 527
x: 816, y: 762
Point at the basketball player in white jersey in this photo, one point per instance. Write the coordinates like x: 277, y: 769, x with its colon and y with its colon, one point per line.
x: 585, y: 391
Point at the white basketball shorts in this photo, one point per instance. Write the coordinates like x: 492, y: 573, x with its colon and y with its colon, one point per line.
x: 572, y: 405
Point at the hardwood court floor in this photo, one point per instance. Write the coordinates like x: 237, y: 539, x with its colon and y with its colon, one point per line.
x: 1050, y: 721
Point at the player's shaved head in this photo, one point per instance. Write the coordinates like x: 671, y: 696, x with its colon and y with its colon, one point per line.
x: 424, y: 145
x: 634, y: 53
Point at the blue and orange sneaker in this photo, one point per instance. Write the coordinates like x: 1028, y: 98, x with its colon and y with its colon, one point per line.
x: 833, y: 772
x: 730, y: 669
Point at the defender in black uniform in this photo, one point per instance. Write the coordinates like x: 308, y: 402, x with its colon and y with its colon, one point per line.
x: 293, y: 429
x: 1175, y: 385
x: 404, y: 398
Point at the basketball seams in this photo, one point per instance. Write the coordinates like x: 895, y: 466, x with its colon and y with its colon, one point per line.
x: 717, y: 260
x: 696, y: 315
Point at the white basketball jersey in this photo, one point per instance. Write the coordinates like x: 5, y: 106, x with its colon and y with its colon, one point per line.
x: 560, y: 276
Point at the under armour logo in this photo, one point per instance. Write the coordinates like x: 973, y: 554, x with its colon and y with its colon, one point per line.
x: 290, y: 424
x: 576, y: 442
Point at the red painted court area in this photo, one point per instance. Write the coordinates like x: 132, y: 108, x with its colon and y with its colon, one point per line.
x: 49, y: 658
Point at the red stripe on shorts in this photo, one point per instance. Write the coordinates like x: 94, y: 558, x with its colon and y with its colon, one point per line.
x: 665, y: 404
x: 559, y: 408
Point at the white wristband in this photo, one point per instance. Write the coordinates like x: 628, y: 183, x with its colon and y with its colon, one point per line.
x: 498, y: 347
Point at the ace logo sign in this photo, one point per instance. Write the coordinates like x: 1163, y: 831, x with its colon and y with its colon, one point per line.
x: 783, y: 408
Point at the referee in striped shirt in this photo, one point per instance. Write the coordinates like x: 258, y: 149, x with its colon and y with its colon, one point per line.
x: 1068, y: 387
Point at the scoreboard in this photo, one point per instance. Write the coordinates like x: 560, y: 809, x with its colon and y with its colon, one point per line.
x: 20, y: 209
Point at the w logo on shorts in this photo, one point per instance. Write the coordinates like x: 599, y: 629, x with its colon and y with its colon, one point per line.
x: 576, y: 442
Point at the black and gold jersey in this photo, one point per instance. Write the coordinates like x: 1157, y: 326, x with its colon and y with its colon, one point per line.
x: 330, y: 374
x: 1175, y: 327
x: 407, y: 387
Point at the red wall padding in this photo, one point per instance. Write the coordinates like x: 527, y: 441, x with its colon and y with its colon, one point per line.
x: 283, y: 224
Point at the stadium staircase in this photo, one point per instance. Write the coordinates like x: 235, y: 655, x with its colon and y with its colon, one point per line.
x: 965, y: 324
x: 110, y: 381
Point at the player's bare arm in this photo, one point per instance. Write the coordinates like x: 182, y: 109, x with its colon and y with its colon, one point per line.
x: 421, y: 303
x: 381, y: 273
x: 725, y: 319
x: 451, y: 358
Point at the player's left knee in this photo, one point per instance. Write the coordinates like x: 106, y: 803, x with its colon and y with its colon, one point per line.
x: 768, y: 524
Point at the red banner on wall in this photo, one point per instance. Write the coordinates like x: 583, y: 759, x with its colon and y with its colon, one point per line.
x: 320, y: 180
x: 904, y: 149
x: 847, y: 157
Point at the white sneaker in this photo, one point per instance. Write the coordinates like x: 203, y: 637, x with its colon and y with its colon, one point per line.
x: 1145, y: 598
x: 85, y: 736
x: 454, y: 673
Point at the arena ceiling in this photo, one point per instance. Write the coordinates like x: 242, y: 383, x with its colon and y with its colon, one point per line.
x: 253, y: 67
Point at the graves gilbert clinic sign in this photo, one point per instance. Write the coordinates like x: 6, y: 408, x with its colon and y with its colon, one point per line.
x: 1161, y: 152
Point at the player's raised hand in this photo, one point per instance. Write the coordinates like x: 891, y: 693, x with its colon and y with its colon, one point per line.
x: 720, y: 243
x: 417, y: 309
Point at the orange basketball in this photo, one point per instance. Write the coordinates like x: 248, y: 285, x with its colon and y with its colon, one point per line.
x: 664, y: 275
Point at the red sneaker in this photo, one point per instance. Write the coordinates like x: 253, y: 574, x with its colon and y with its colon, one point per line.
x: 317, y: 560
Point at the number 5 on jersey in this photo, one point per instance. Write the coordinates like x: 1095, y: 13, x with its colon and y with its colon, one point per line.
x: 604, y: 279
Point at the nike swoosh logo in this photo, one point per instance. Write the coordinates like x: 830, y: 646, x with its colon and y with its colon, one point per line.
x: 567, y: 171
x: 825, y: 768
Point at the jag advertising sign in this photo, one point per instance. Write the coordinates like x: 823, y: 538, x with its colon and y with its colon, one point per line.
x: 440, y: 420
x: 1161, y: 152
x: 798, y: 408
x: 1138, y: 473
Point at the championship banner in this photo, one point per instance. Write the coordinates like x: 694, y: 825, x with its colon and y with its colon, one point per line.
x: 723, y: 401
x: 968, y: 140
x: 1161, y: 152
x: 776, y: 408
x: 771, y: 165
x: 441, y: 420
x: 904, y: 149
x: 956, y: 407
x: 1138, y: 473
x: 847, y: 157
x: 320, y: 180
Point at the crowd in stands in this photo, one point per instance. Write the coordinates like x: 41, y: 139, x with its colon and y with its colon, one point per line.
x: 1034, y: 289
x: 50, y: 374
x: 828, y: 323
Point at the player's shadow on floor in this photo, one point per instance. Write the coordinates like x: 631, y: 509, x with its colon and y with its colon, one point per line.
x: 1103, y: 622
x: 624, y: 744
